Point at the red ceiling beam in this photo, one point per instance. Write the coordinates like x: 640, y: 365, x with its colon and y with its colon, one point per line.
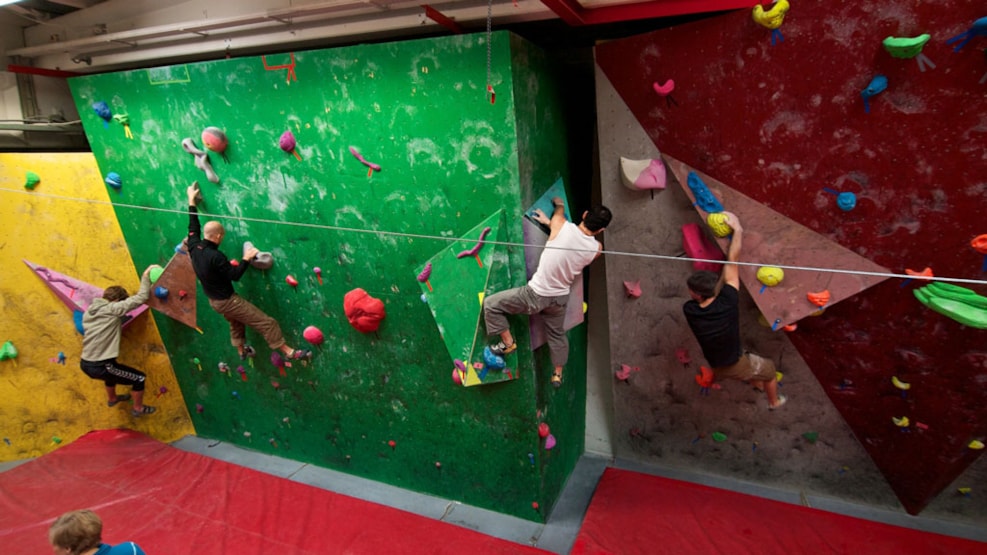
x: 573, y: 13
x: 438, y: 17
x: 41, y: 71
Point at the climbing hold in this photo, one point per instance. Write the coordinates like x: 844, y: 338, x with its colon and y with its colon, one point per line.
x: 8, y: 351
x: 643, y: 175
x: 290, y: 280
x: 494, y: 361
x: 979, y: 244
x: 102, y: 110
x: 278, y: 361
x: 534, y: 505
x: 959, y: 303
x: 700, y: 248
x: 457, y: 378
x: 215, y: 140
x: 979, y: 28
x: 902, y: 422
x: 313, y: 335
x: 774, y: 17
x: 201, y: 159
x: 199, y: 408
x: 876, y: 86
x: 356, y: 154
x: 318, y: 274
x: 664, y: 90
x: 223, y: 368
x: 964, y: 491
x: 242, y: 371
x: 363, y: 311
x: 770, y: 275
x: 155, y: 273
x: 392, y: 443
x: 909, y: 47
x: 543, y: 430
x: 846, y: 201
x: 811, y: 437
x: 235, y: 395
x: 56, y: 440
x: 904, y: 386
x: 625, y: 372
x: 717, y: 221
x: 161, y: 292
x: 633, y: 289
x: 549, y: 442
x: 682, y: 354
x: 438, y: 465
x: 704, y: 197
x: 976, y: 445
x: 820, y: 298
x: 476, y: 248
x: 262, y: 261
x: 32, y: 181
x: 718, y: 436
x: 705, y: 379
x: 114, y: 180
x: 287, y: 143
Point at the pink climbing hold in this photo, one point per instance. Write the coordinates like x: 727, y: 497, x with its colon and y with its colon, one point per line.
x: 664, y: 90
x: 214, y: 139
x: 287, y: 143
x: 476, y: 248
x: 633, y: 289
x: 625, y: 372
x: 356, y: 154
x: 290, y: 280
x: 549, y: 442
x: 313, y: 335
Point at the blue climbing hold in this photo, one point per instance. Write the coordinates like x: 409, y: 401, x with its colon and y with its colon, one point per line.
x: 876, y: 86
x: 114, y: 180
x: 77, y: 320
x: 161, y: 292
x: 979, y: 28
x: 704, y: 197
x: 846, y: 201
x: 491, y: 360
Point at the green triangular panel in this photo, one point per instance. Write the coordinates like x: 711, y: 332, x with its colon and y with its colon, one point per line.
x: 454, y: 291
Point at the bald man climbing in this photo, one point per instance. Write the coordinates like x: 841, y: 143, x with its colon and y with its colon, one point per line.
x: 217, y: 274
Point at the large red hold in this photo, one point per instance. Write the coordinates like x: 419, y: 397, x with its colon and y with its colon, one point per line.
x: 363, y: 311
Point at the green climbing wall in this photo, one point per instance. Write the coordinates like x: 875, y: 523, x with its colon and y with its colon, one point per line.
x: 449, y: 160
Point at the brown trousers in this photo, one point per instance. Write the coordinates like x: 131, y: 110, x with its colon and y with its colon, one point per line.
x: 239, y: 313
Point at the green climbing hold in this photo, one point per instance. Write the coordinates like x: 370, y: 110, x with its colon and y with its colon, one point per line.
x: 8, y: 351
x: 155, y: 273
x: 32, y: 181
x: 811, y: 437
x: 718, y: 436
x: 905, y: 47
x: 959, y: 303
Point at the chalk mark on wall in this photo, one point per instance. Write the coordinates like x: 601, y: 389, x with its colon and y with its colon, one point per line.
x: 168, y: 75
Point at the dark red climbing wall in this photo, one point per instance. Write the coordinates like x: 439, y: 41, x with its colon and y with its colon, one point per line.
x: 781, y: 122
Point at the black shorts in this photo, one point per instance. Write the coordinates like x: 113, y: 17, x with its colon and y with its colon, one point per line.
x: 113, y: 373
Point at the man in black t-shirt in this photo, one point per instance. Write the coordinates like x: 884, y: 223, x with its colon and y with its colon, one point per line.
x: 714, y: 318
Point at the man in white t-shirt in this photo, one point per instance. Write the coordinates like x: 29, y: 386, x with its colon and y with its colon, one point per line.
x: 569, y: 249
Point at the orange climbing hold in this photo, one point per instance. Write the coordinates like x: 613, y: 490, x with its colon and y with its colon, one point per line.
x: 819, y: 299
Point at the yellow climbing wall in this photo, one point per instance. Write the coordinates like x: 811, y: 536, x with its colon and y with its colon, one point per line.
x: 66, y: 224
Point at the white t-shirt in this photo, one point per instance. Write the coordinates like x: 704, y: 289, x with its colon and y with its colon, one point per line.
x: 559, y: 267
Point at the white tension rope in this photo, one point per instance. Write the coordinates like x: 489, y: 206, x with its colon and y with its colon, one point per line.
x: 505, y: 243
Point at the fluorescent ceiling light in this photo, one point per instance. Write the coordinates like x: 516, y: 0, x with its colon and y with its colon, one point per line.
x: 5, y: 2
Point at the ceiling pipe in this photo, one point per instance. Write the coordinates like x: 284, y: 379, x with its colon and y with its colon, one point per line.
x: 574, y: 14
x: 28, y: 70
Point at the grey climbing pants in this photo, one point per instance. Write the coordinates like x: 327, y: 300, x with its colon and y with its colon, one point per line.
x: 239, y: 313
x: 522, y: 300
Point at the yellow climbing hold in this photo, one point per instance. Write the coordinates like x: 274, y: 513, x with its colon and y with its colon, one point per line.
x: 773, y: 18
x: 717, y: 222
x: 900, y: 384
x: 770, y: 275
x: 900, y: 422
x: 976, y: 445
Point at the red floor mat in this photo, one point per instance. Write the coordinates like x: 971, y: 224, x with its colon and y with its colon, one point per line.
x: 639, y: 513
x: 171, y: 501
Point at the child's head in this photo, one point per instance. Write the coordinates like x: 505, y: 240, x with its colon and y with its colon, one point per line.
x: 115, y: 293
x: 76, y: 532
